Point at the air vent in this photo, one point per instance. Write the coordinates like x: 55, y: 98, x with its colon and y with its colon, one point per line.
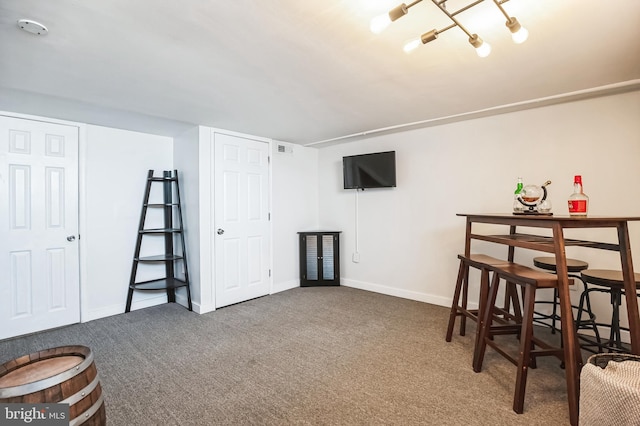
x: 284, y: 149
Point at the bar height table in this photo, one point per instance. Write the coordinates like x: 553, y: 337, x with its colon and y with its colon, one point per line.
x: 556, y: 244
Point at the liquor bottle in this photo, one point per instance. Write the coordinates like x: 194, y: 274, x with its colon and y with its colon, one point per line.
x: 578, y: 201
x: 517, y: 205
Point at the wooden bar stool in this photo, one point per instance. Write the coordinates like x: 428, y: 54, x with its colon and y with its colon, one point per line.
x: 611, y: 282
x: 530, y: 346
x: 459, y: 305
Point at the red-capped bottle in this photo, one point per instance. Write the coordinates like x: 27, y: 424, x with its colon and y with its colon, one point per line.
x: 578, y: 201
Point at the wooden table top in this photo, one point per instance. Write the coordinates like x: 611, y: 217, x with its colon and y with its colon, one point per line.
x: 551, y: 218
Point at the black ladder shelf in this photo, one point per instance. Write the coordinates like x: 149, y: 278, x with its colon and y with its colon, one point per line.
x: 171, y: 210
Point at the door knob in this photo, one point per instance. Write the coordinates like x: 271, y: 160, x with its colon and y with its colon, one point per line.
x: 220, y: 231
x: 71, y: 238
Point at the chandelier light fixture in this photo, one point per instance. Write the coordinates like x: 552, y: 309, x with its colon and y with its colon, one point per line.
x: 379, y: 23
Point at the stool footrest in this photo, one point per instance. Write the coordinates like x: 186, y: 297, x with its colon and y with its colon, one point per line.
x: 497, y: 330
x: 502, y: 352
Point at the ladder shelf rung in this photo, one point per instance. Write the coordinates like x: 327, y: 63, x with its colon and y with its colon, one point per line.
x: 163, y: 179
x: 161, y: 204
x: 159, y: 258
x: 160, y: 231
x: 159, y: 284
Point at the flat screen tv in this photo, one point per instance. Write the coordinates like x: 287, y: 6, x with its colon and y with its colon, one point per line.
x: 376, y: 170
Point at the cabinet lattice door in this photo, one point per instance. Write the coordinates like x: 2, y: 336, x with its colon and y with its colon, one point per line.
x: 319, y: 258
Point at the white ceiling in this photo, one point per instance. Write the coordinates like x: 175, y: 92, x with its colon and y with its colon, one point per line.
x: 303, y: 71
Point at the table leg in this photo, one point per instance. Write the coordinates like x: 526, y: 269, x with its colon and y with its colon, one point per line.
x: 572, y: 356
x: 467, y: 239
x: 629, y: 287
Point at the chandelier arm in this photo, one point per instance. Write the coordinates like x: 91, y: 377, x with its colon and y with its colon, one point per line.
x: 446, y: 28
x: 439, y: 4
x: 506, y: 15
x: 467, y: 7
x: 413, y: 4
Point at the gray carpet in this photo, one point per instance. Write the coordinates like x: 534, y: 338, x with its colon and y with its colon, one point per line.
x: 307, y: 356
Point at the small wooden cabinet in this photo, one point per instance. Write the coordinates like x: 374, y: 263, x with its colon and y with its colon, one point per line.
x: 319, y: 258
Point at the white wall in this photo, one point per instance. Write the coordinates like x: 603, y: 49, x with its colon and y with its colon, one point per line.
x: 294, y: 208
x: 115, y: 168
x: 187, y: 160
x: 409, y: 236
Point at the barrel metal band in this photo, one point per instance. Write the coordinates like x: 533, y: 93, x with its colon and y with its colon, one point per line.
x: 39, y: 385
x: 87, y: 414
x: 82, y: 392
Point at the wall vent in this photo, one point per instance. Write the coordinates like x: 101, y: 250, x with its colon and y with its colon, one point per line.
x: 285, y: 149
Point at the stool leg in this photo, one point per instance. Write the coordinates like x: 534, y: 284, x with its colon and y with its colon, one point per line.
x: 482, y: 303
x: 526, y: 335
x: 487, y: 319
x: 586, y: 301
x: 554, y: 311
x: 592, y: 317
x: 465, y: 299
x: 616, y: 300
x: 463, y: 271
x: 513, y: 300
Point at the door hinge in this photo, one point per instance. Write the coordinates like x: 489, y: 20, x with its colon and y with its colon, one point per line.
x: 269, y: 216
x: 269, y: 272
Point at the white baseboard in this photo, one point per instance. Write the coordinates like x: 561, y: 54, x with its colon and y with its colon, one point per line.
x: 392, y: 291
x: 285, y: 285
x: 202, y: 309
x: 119, y: 308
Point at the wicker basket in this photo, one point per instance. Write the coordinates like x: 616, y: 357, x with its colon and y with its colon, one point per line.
x: 601, y: 360
x: 610, y: 390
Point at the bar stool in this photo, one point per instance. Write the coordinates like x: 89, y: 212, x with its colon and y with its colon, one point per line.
x: 459, y: 306
x: 574, y: 266
x: 611, y: 282
x: 530, y: 346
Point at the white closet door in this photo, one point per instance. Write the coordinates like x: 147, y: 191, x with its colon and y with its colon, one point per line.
x: 39, y: 259
x: 241, y: 219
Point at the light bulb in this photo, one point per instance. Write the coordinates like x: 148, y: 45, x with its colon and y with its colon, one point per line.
x: 412, y: 45
x: 520, y: 36
x: 483, y: 50
x: 518, y: 32
x: 379, y: 23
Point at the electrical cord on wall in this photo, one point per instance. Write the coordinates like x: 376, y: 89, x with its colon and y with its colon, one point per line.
x: 356, y: 255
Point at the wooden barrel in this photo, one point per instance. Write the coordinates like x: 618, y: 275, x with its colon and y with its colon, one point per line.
x: 66, y: 374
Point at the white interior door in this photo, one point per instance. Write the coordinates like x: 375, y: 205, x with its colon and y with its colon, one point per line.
x: 39, y: 264
x: 241, y: 219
